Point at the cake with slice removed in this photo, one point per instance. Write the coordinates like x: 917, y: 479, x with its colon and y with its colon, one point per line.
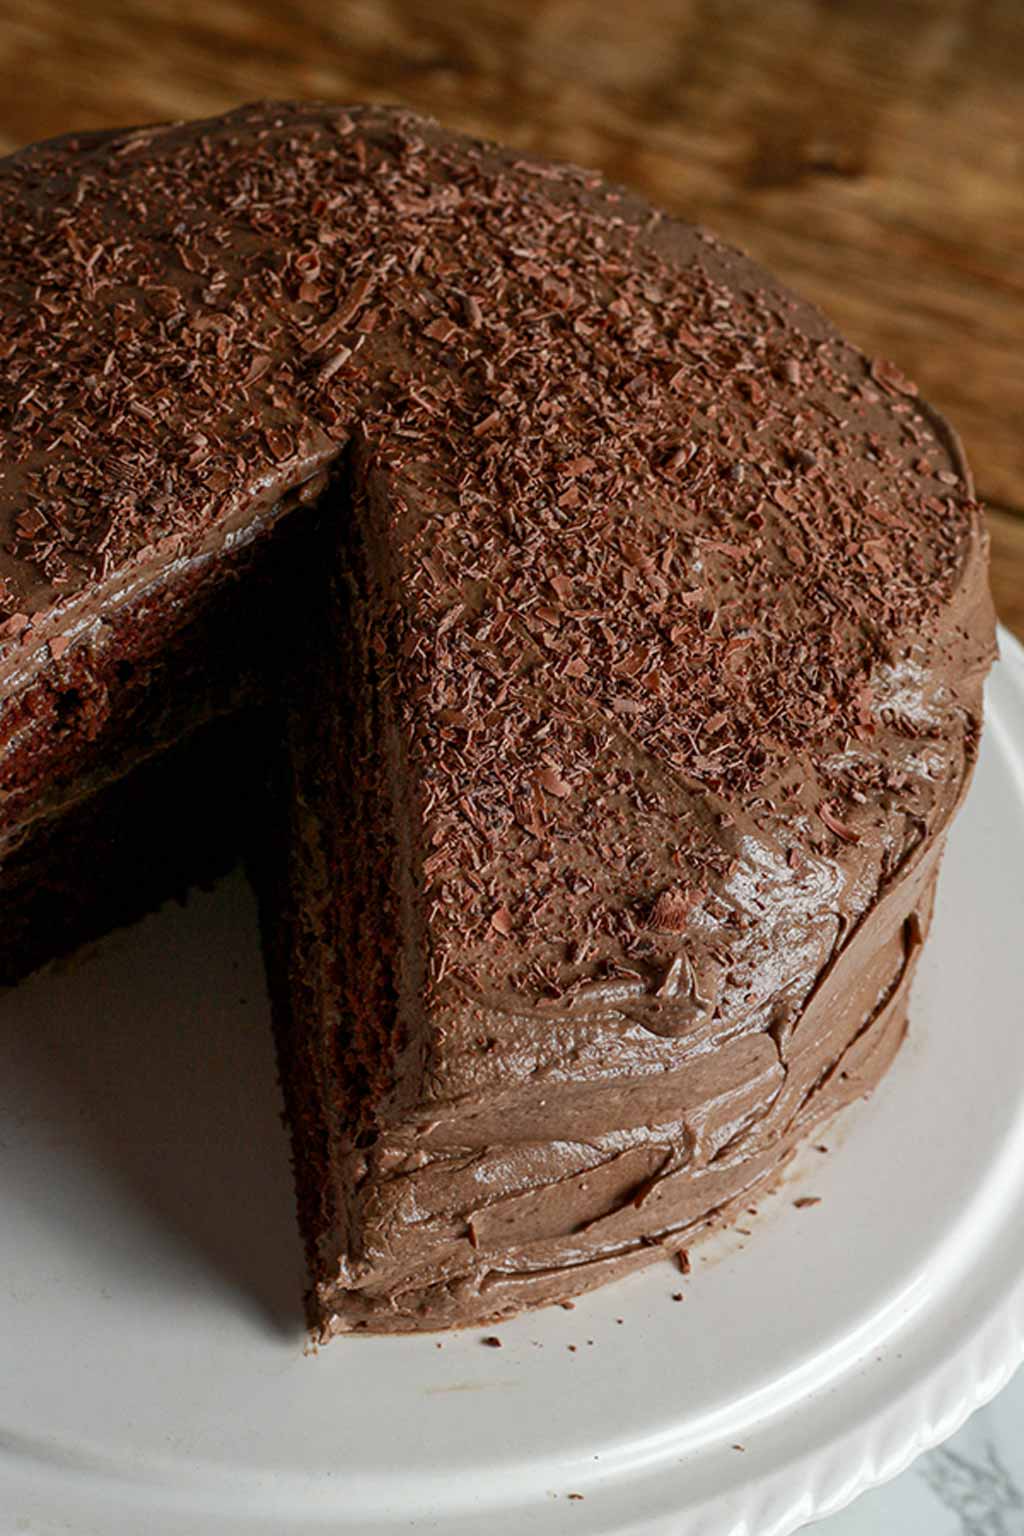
x: 623, y: 629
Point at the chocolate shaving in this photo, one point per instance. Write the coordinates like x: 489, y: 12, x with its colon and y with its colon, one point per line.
x: 834, y: 824
x: 501, y: 922
x: 889, y: 377
x: 671, y: 910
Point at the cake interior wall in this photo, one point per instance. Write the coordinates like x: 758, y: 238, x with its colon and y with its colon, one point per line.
x: 337, y: 913
x: 135, y: 765
x: 174, y: 821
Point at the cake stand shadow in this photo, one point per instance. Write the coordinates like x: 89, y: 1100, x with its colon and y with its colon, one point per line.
x: 147, y: 1064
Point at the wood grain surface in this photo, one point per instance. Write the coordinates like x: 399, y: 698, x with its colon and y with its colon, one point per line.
x: 870, y: 151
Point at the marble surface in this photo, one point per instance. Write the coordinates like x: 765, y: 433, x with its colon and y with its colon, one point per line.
x: 971, y: 1486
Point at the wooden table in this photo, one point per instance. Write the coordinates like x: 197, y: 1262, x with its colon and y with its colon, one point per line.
x: 870, y: 151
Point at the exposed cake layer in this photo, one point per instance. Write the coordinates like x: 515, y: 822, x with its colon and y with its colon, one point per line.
x: 347, y: 959
x: 135, y: 665
x: 178, y: 819
x: 132, y: 761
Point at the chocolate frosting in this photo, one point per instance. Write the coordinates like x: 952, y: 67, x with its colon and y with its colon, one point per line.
x: 678, y: 617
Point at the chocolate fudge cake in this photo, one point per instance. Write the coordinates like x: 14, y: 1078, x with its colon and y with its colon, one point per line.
x: 614, y: 631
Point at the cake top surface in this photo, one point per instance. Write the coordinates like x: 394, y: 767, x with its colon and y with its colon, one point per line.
x: 635, y: 485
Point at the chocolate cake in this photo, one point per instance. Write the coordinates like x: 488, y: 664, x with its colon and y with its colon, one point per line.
x: 597, y: 636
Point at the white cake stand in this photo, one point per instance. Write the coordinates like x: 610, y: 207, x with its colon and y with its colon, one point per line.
x: 153, y: 1375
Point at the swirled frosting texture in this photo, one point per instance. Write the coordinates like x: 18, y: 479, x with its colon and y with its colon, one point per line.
x: 673, y: 613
